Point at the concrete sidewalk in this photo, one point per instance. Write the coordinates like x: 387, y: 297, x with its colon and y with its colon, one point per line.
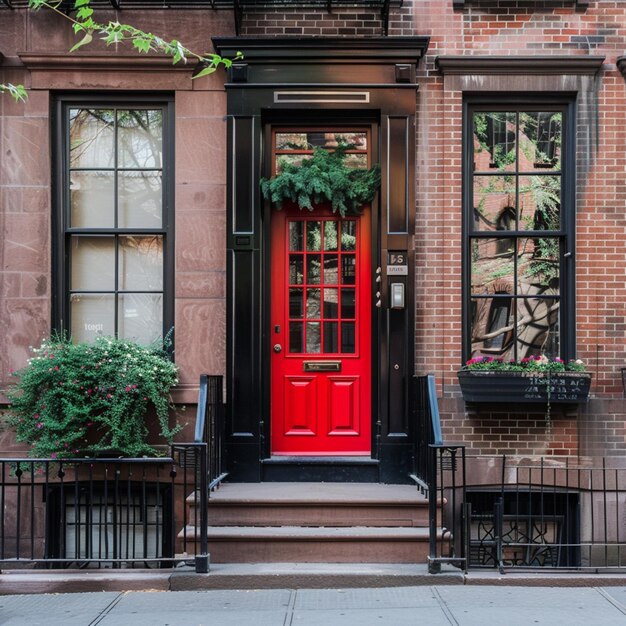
x: 396, y: 606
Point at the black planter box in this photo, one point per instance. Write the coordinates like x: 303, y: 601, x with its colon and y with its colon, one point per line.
x: 525, y: 387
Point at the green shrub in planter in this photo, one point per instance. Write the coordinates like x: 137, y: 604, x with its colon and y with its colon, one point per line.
x: 86, y: 398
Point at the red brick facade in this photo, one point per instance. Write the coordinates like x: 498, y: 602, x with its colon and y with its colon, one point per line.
x: 480, y: 28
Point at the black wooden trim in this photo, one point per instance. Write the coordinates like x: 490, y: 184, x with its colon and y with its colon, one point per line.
x: 461, y: 4
x: 621, y: 65
x: 303, y: 49
x: 510, y: 65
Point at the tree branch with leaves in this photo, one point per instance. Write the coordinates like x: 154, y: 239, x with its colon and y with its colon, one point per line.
x: 113, y: 32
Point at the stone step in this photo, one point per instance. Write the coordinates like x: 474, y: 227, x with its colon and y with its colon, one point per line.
x: 299, y: 544
x: 316, y: 504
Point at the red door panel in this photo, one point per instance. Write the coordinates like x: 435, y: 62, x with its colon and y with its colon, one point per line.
x: 321, y: 330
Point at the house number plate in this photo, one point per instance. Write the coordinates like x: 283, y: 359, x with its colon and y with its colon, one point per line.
x: 321, y: 366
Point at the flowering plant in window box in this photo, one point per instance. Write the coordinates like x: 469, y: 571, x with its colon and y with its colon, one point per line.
x: 85, y: 399
x: 535, y: 379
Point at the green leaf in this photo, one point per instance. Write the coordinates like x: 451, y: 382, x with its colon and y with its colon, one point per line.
x: 204, y: 72
x: 83, y: 13
x: 83, y: 42
x: 81, y: 3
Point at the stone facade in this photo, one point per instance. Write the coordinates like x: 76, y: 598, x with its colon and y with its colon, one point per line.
x: 34, y: 52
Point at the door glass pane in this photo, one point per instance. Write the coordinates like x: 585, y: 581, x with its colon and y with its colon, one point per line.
x: 296, y: 269
x: 331, y: 303
x: 91, y: 138
x: 313, y: 343
x: 313, y: 269
x: 92, y: 200
x: 296, y: 236
x: 140, y: 142
x: 537, y: 327
x: 296, y: 337
x: 91, y: 315
x: 140, y: 263
x: 347, y: 304
x: 93, y: 263
x: 296, y: 307
x: 348, y: 343
x: 494, y: 202
x: 348, y: 269
x: 314, y: 236
x: 540, y: 202
x: 330, y: 269
x: 312, y: 303
x: 331, y: 337
x: 348, y: 236
x: 540, y: 140
x: 330, y: 235
x: 140, y: 317
x: 140, y: 200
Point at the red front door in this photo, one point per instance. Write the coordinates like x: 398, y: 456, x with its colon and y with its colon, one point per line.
x: 320, y: 333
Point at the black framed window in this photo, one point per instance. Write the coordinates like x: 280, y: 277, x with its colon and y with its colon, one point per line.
x: 114, y: 224
x: 518, y: 175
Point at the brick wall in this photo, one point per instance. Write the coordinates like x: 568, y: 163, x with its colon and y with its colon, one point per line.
x: 507, y: 27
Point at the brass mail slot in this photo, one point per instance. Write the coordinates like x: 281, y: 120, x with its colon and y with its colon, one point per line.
x: 322, y: 366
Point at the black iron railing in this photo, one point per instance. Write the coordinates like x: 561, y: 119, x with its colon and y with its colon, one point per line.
x: 210, y: 426
x: 115, y: 512
x: 546, y: 513
x: 439, y: 471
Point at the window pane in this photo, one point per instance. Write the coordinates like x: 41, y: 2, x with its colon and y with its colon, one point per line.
x: 314, y: 236
x: 139, y: 137
x: 331, y: 303
x: 296, y: 269
x: 311, y: 140
x: 140, y: 200
x: 348, y: 269
x: 492, y: 269
x: 348, y: 304
x: 538, y: 266
x: 494, y: 203
x: 296, y: 236
x: 331, y: 337
x: 356, y: 161
x: 91, y: 138
x: 494, y: 141
x: 93, y: 263
x: 91, y: 315
x: 312, y: 303
x: 330, y: 269
x: 348, y: 342
x: 537, y: 327
x: 291, y: 141
x: 140, y: 317
x: 313, y: 269
x: 140, y: 263
x: 348, y: 236
x: 296, y: 337
x: 92, y: 200
x: 540, y: 140
x: 313, y: 343
x: 330, y: 235
x: 291, y: 159
x: 296, y: 306
x: 540, y: 202
x: 492, y: 330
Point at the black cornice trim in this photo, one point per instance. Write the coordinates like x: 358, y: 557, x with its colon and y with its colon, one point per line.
x: 621, y: 65
x: 572, y: 64
x: 459, y: 4
x: 309, y: 49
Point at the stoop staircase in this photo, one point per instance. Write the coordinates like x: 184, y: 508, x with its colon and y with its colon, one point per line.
x: 315, y: 523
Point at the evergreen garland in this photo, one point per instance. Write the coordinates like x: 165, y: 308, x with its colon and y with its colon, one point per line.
x: 324, y: 177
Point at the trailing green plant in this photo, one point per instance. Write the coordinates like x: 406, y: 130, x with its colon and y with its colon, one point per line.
x: 324, y: 177
x: 86, y: 398
x: 537, y: 363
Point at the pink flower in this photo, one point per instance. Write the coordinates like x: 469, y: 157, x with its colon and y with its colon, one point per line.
x: 56, y: 368
x: 36, y: 416
x: 53, y: 455
x: 109, y: 395
x: 127, y: 389
x: 40, y: 425
x: 89, y: 392
x: 11, y: 370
